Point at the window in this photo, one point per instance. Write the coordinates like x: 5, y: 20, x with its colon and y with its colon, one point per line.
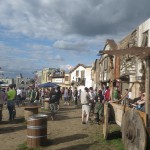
x: 145, y: 39
x: 77, y: 73
x: 66, y: 78
x: 82, y: 74
x: 105, y: 64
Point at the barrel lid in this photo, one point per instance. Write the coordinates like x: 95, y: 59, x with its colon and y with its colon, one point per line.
x: 31, y: 105
x: 38, y: 116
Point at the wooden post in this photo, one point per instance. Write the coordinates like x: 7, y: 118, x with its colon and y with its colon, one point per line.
x: 147, y: 89
x: 105, y: 124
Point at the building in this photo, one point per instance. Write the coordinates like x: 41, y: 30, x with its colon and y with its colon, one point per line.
x: 120, y: 66
x: 107, y: 69
x: 54, y: 75
x: 7, y: 82
x: 80, y: 76
x: 22, y: 82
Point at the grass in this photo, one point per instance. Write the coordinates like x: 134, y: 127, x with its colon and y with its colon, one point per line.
x: 25, y: 147
x: 114, y: 141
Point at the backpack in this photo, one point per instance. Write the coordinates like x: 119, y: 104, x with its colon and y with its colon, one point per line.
x: 75, y: 93
x: 53, y: 98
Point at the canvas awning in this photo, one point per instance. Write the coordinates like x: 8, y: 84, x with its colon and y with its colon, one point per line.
x: 48, y: 84
x: 141, y: 52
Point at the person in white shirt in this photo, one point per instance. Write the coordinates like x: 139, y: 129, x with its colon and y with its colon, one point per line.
x: 85, y: 100
x: 19, y: 96
x: 66, y: 96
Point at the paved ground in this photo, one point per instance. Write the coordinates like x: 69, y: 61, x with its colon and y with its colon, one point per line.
x: 64, y: 133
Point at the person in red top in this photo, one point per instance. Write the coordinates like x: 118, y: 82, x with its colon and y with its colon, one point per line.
x: 107, y: 94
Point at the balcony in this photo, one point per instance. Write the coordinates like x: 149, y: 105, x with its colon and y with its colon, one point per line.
x: 78, y: 82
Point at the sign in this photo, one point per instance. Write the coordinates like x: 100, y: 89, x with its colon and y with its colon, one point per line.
x: 58, y: 80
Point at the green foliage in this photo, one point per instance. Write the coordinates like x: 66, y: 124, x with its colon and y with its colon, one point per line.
x: 114, y: 141
x: 24, y: 147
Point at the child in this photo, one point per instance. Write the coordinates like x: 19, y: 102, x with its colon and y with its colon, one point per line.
x: 98, y: 111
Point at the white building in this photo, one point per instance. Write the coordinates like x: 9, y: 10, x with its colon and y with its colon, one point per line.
x: 7, y: 82
x: 144, y: 34
x: 80, y: 76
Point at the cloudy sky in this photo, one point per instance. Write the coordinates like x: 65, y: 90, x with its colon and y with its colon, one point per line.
x: 35, y: 34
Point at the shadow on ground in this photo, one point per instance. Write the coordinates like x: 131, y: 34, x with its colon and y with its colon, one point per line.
x: 16, y: 121
x: 69, y: 108
x: 12, y: 129
x: 78, y: 147
x: 66, y: 139
x: 114, y: 135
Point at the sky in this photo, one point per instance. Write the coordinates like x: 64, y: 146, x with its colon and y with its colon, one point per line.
x: 37, y: 34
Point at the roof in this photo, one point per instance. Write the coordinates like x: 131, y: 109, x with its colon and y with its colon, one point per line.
x: 141, y: 52
x: 129, y: 39
x: 111, y: 43
x: 78, y: 66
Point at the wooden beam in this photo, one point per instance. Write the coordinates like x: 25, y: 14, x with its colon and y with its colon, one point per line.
x: 147, y: 89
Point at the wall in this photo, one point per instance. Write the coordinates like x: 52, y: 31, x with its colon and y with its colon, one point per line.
x: 73, y: 74
x: 143, y: 28
x: 88, y: 76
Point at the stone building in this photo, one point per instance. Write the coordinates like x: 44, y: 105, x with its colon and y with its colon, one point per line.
x: 119, y: 63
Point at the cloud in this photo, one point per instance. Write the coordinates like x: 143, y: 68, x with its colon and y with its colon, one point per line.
x: 19, y: 60
x: 71, y: 46
x: 56, y: 18
x: 67, y: 67
x: 68, y: 26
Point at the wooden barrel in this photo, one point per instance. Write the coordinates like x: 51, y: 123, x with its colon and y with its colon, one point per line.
x: 36, y: 131
x: 46, y: 104
x: 30, y: 110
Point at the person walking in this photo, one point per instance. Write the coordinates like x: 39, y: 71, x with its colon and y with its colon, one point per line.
x: 98, y: 110
x: 115, y: 94
x: 32, y: 95
x: 107, y: 94
x: 2, y: 102
x: 69, y: 94
x: 66, y: 96
x: 58, y: 96
x: 79, y: 95
x: 11, y: 94
x: 37, y: 95
x: 19, y: 97
x: 85, y: 100
x: 75, y: 94
x: 92, y: 99
x: 53, y: 103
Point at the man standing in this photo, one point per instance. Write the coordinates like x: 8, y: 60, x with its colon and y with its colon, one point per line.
x: 107, y: 94
x: 92, y: 99
x: 11, y: 94
x: 19, y: 96
x: 32, y: 95
x: 75, y: 94
x: 58, y: 95
x: 85, y: 100
x: 2, y: 101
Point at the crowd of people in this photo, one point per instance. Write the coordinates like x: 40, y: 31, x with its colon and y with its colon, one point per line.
x: 92, y: 100
x: 15, y: 97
